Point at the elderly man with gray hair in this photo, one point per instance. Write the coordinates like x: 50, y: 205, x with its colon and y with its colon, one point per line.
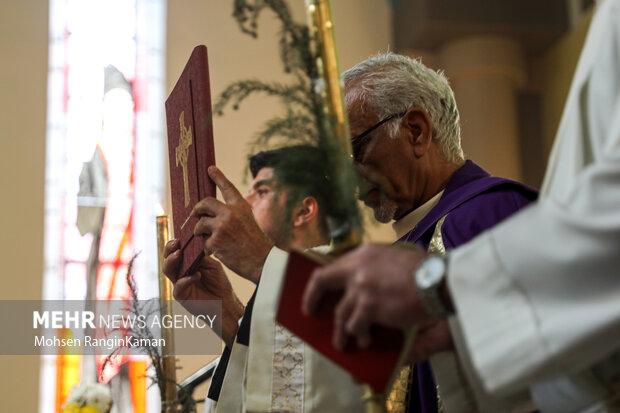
x: 407, y: 147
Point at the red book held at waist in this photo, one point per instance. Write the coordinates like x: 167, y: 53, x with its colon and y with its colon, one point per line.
x: 376, y: 366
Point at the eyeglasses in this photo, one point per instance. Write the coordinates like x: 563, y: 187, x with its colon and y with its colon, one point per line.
x: 358, y: 142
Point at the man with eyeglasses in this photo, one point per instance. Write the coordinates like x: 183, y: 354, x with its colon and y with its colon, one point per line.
x: 406, y: 145
x: 535, y: 301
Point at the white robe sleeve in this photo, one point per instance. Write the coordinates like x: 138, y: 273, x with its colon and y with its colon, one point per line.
x: 538, y: 296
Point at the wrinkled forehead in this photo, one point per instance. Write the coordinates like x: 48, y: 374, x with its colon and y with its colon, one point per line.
x: 352, y: 95
x: 360, y: 111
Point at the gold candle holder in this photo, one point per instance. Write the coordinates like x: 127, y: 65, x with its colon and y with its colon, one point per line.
x: 165, y: 301
x: 322, y: 30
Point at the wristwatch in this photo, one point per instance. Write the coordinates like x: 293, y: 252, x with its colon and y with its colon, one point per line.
x: 429, y: 277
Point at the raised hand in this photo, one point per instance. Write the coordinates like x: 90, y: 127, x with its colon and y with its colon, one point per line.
x: 209, y: 282
x: 230, y: 230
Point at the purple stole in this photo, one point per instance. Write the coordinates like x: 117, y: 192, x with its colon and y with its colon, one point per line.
x: 474, y: 202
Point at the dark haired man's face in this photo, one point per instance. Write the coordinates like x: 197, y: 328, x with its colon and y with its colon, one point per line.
x: 268, y: 204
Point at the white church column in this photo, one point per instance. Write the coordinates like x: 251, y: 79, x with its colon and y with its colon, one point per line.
x: 486, y: 73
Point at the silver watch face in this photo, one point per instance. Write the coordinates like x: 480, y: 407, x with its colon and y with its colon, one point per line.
x: 430, y: 273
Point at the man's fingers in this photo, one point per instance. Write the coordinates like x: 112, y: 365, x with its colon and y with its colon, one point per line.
x: 182, y: 286
x: 209, y: 207
x: 341, y: 315
x: 332, y: 277
x: 359, y: 322
x: 172, y: 264
x: 171, y: 246
x: 204, y: 227
x: 209, y: 262
x: 229, y: 191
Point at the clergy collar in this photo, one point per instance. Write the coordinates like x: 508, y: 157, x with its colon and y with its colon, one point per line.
x: 409, y: 221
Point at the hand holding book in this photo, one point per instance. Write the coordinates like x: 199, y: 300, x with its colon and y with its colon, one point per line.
x: 384, y: 349
x: 230, y: 231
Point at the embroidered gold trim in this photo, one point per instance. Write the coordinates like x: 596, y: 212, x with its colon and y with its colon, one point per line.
x: 396, y: 400
x: 436, y: 245
x: 288, y: 372
x: 397, y: 397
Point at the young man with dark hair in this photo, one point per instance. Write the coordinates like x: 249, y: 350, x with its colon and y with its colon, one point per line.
x: 264, y: 367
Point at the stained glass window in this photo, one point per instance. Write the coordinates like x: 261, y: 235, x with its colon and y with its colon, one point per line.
x: 105, y: 166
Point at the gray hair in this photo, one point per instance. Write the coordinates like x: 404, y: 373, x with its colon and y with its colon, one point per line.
x: 390, y: 83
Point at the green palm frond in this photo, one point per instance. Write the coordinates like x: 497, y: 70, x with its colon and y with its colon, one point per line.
x: 237, y: 92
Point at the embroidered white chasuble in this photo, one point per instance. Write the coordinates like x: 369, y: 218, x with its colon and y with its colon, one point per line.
x: 277, y: 372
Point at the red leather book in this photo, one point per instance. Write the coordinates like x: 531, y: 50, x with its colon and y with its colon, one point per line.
x: 191, y: 152
x: 376, y: 366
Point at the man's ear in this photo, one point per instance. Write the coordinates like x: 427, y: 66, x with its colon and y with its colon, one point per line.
x: 305, y: 211
x: 420, y: 129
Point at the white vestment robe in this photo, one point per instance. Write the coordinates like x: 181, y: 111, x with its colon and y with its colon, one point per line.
x: 538, y: 296
x: 277, y: 372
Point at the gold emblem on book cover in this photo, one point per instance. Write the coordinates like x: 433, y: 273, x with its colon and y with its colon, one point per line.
x: 181, y: 153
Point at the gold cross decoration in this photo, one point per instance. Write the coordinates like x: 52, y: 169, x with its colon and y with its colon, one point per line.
x: 181, y: 152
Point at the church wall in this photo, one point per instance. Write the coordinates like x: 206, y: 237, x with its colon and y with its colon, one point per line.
x: 23, y: 76
x: 504, y: 92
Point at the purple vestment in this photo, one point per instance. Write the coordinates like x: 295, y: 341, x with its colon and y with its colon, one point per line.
x: 474, y: 202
